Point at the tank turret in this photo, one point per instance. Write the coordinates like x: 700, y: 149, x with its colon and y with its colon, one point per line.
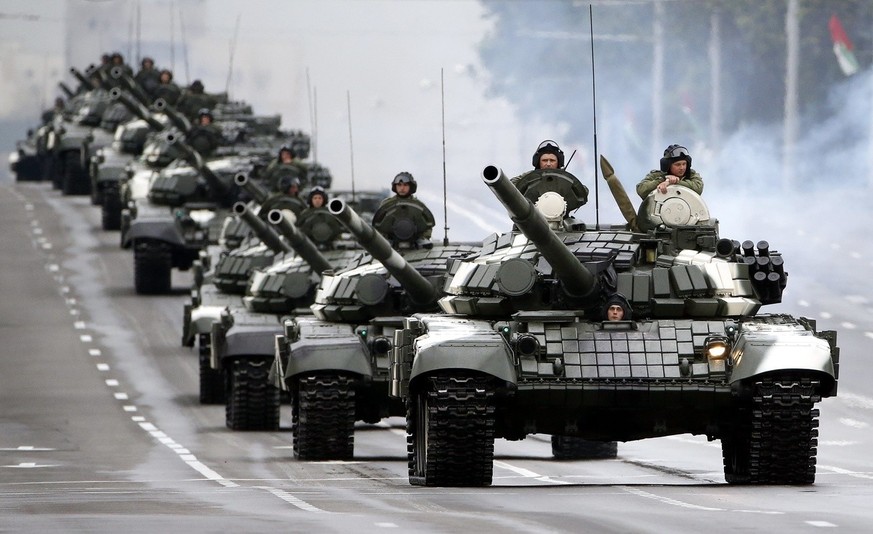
x: 301, y: 244
x: 116, y: 94
x: 577, y: 281
x: 196, y: 160
x: 419, y: 289
x: 265, y: 233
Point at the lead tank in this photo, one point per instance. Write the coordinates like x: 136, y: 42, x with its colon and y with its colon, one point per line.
x: 524, y: 347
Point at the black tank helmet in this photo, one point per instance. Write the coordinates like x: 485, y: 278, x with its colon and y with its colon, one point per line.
x: 404, y: 178
x: 287, y: 181
x: 205, y: 112
x: 284, y: 148
x: 620, y: 300
x: 548, y: 147
x: 196, y: 86
x: 674, y: 153
x: 317, y: 190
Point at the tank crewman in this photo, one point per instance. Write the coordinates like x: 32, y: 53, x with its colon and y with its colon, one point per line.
x: 285, y: 164
x: 116, y: 60
x: 167, y: 88
x: 205, y: 136
x: 617, y: 308
x: 194, y: 99
x: 316, y: 221
x: 404, y: 187
x: 287, y: 198
x: 675, y: 169
x: 148, y: 76
x: 549, y: 157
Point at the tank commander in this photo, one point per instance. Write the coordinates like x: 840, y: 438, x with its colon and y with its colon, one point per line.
x: 286, y: 198
x: 167, y: 88
x: 675, y: 169
x: 148, y: 76
x: 317, y: 222
x: 194, y: 99
x: 548, y: 174
x: 205, y: 136
x: 404, y: 187
x: 285, y: 164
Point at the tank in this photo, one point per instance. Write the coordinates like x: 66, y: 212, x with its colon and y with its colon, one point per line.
x: 243, y: 337
x: 334, y: 363
x: 524, y: 347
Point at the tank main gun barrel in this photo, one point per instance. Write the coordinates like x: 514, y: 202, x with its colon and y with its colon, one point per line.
x: 264, y: 232
x: 299, y: 241
x: 417, y: 286
x: 130, y: 84
x: 118, y: 94
x: 576, y: 280
x: 195, y: 160
x: 179, y: 121
x: 258, y: 193
x: 83, y: 80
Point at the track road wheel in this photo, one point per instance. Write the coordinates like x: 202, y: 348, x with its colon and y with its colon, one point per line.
x: 323, y: 417
x: 152, y: 267
x: 450, y: 432
x: 252, y: 402
x: 211, y: 381
x: 573, y: 448
x: 774, y: 438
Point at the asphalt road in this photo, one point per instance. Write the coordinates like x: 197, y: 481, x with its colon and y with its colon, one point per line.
x: 101, y: 429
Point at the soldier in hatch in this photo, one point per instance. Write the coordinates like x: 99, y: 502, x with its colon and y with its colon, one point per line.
x: 675, y: 169
x: 205, y: 136
x: 167, y: 88
x: 404, y: 187
x: 148, y: 76
x: 287, y: 198
x: 284, y: 165
x: 195, y: 99
x: 317, y: 222
x: 549, y: 159
x: 617, y: 308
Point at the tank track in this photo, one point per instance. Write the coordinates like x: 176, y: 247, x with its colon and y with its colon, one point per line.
x: 454, y: 444
x: 323, y: 417
x: 110, y: 209
x: 252, y: 402
x: 212, y: 386
x: 152, y: 267
x: 776, y: 442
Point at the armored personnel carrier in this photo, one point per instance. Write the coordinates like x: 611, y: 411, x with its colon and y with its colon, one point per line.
x: 335, y: 363
x: 525, y: 346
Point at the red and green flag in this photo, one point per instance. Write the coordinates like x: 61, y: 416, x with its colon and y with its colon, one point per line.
x: 843, y: 47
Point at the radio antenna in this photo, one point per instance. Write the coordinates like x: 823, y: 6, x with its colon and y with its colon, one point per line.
x: 594, y: 115
x: 232, y: 53
x: 351, y: 147
x: 445, y: 194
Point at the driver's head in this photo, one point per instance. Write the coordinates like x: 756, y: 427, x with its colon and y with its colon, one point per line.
x: 548, y: 156
x: 617, y: 308
x: 676, y: 161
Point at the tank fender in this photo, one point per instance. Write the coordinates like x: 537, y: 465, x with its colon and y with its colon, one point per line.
x: 158, y: 229
x: 201, y: 321
x: 343, y: 352
x: 759, y: 352
x: 250, y: 340
x: 462, y: 344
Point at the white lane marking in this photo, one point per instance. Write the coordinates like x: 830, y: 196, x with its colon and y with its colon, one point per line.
x: 71, y: 301
x: 290, y: 499
x: 79, y: 325
x: 27, y: 448
x: 386, y: 525
x: 667, y: 500
x: 848, y: 326
x: 869, y: 334
x: 85, y: 338
x: 129, y: 408
x: 803, y: 303
x: 74, y: 312
x: 121, y: 396
x: 137, y: 418
x: 841, y: 471
x: 188, y: 458
x: 826, y: 315
x: 29, y: 465
x: 822, y: 524
x: 527, y: 473
x: 53, y: 267
x: 111, y: 382
x: 95, y: 352
x: 103, y: 367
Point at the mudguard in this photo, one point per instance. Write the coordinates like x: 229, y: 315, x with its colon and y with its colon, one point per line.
x: 458, y: 343
x: 250, y: 340
x: 324, y: 346
x: 200, y: 322
x: 164, y: 229
x: 763, y: 348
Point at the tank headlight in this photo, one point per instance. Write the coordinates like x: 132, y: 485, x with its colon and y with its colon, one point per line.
x: 716, y: 349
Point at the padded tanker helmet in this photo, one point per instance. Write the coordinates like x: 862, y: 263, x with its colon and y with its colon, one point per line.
x: 404, y: 178
x: 674, y: 153
x: 548, y: 147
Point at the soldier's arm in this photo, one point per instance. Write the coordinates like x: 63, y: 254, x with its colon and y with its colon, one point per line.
x: 694, y: 182
x: 649, y: 183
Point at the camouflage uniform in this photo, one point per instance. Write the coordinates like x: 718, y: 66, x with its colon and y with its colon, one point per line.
x: 648, y: 184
